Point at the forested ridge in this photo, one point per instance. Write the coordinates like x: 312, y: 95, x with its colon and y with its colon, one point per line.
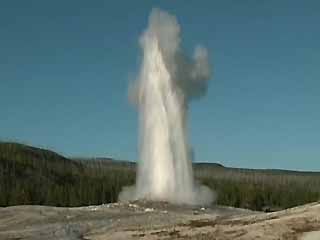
x: 30, y: 175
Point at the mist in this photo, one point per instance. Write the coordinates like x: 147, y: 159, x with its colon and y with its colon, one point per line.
x: 167, y: 82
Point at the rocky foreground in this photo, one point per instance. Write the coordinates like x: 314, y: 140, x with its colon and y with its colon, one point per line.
x: 157, y: 220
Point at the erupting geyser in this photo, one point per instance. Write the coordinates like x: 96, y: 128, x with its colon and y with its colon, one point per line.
x: 168, y: 81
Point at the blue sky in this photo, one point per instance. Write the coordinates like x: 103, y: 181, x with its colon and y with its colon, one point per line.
x: 65, y: 68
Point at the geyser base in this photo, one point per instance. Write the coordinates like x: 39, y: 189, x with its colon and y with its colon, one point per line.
x: 201, y: 195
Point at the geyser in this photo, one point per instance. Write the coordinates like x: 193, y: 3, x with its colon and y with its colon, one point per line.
x: 168, y: 80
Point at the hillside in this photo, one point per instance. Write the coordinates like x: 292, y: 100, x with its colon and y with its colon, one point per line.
x: 30, y: 175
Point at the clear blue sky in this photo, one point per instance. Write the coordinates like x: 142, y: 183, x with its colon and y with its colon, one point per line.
x: 65, y: 68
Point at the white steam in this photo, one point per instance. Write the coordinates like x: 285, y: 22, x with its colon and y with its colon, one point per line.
x: 168, y: 81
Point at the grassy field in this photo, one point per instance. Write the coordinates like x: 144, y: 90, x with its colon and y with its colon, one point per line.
x: 31, y: 175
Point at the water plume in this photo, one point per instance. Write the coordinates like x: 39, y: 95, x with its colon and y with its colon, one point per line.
x: 167, y: 82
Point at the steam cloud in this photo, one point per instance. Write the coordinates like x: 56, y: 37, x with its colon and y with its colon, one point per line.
x: 168, y: 81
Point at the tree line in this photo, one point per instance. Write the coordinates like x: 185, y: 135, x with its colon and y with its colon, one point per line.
x: 35, y: 176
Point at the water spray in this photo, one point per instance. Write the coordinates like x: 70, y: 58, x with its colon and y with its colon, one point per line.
x: 168, y: 81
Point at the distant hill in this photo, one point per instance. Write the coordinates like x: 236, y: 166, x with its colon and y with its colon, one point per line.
x: 30, y: 175
x: 200, y: 167
x: 30, y: 161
